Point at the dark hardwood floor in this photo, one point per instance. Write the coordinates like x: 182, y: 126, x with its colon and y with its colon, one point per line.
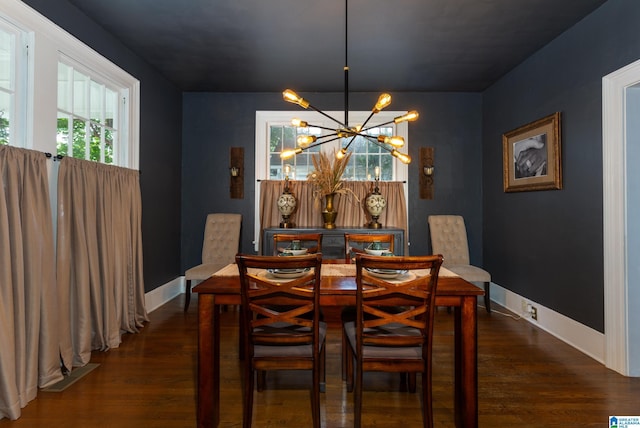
x: 527, y: 378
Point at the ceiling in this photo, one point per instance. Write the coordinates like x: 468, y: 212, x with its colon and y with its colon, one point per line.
x: 395, y: 45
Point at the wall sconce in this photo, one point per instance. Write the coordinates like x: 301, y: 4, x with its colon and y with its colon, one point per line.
x: 428, y: 169
x: 236, y: 171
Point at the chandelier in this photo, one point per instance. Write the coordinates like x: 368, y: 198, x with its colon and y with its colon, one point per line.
x: 344, y: 130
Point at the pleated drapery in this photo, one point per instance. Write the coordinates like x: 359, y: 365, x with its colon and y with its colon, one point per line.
x: 99, y: 257
x: 351, y: 213
x: 29, y: 341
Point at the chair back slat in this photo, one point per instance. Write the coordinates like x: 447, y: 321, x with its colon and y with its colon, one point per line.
x: 311, y: 241
x: 354, y: 243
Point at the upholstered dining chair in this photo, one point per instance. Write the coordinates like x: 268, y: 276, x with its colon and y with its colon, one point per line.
x: 384, y: 338
x: 449, y: 238
x: 292, y: 338
x: 355, y: 243
x: 219, y: 248
x: 311, y: 241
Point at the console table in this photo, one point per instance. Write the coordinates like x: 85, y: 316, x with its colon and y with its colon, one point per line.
x: 332, y: 239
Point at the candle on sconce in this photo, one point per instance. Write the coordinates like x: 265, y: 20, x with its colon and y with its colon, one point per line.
x: 376, y: 170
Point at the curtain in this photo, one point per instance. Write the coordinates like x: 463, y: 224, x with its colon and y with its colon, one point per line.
x: 29, y: 351
x: 99, y: 257
x: 350, y: 206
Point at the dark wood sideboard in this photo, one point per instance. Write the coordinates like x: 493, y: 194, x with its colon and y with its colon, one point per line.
x: 332, y: 239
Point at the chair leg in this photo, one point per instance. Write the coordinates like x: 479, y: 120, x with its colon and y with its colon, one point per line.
x: 247, y: 413
x: 411, y: 380
x: 262, y: 379
x: 318, y: 373
x: 187, y: 297
x: 349, y: 367
x: 427, y: 398
x: 323, y: 369
x: 487, y: 297
x: 344, y: 354
x: 357, y: 398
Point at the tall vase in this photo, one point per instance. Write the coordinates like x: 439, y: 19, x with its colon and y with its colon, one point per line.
x: 329, y: 214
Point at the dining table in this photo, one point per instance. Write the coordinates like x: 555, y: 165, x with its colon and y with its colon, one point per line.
x: 337, y: 288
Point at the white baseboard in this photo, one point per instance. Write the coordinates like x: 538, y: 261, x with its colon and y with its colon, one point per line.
x: 581, y: 337
x: 161, y: 295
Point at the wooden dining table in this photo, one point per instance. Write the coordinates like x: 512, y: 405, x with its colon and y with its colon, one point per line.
x: 337, y: 288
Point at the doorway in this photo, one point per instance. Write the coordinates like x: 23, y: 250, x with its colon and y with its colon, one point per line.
x: 621, y: 211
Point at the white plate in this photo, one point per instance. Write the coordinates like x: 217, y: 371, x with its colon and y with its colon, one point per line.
x: 287, y: 273
x: 386, y: 273
x: 376, y: 252
x: 300, y: 252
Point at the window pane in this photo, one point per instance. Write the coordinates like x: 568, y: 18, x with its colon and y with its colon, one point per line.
x: 95, y: 139
x: 62, y: 137
x: 96, y: 100
x: 65, y: 77
x: 7, y: 58
x: 5, y: 118
x: 78, y: 135
x: 111, y: 108
x: 80, y: 94
x: 108, y: 146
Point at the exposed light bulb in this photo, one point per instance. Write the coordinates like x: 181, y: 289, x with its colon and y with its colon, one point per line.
x: 383, y: 101
x: 409, y: 117
x: 290, y: 153
x: 299, y: 123
x: 305, y: 140
x: 294, y: 98
x: 402, y: 157
x: 395, y: 141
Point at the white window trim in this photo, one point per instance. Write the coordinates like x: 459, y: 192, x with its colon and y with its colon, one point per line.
x: 266, y: 118
x: 47, y: 40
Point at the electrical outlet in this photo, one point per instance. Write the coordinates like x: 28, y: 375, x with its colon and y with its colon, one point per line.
x: 534, y: 313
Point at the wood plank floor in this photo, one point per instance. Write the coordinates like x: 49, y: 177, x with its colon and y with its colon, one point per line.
x: 527, y: 378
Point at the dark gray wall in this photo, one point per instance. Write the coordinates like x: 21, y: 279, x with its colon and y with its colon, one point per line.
x: 547, y: 245
x: 160, y: 141
x: 214, y: 122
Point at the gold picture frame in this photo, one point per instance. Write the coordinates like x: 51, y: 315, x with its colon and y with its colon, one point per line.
x: 531, y: 156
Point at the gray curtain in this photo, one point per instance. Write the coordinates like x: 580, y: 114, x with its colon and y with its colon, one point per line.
x: 99, y: 257
x: 29, y: 345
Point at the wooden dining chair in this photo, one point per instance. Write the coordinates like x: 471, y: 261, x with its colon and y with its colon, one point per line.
x: 385, y: 339
x: 292, y: 338
x: 355, y: 243
x: 311, y: 241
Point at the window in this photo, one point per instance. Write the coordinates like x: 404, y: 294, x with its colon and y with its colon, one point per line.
x: 89, y: 111
x: 276, y: 129
x: 12, y: 79
x: 274, y: 133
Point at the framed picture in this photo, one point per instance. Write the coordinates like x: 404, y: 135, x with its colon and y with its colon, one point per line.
x: 531, y: 156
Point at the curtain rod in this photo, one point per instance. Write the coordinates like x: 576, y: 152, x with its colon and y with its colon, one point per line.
x: 55, y: 158
x: 60, y: 157
x: 392, y: 181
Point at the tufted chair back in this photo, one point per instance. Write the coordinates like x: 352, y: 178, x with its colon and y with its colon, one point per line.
x: 219, y: 248
x: 221, y: 238
x: 449, y: 238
